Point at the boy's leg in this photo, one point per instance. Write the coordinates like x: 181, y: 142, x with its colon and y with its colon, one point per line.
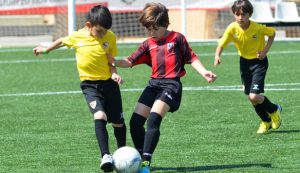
x: 139, y: 117
x: 94, y: 98
x: 137, y: 131
x: 274, y: 111
x: 102, y: 136
x: 265, y: 125
x: 114, y: 111
x: 152, y: 135
x: 264, y: 116
x: 120, y: 134
x: 257, y: 87
x: 268, y: 106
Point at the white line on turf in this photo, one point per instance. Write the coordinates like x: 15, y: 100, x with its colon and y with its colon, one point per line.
x: 38, y: 60
x: 202, y: 88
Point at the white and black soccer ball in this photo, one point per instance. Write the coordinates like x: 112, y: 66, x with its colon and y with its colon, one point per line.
x: 126, y: 160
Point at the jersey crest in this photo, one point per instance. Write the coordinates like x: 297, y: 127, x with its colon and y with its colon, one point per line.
x: 105, y: 45
x: 170, y: 46
x: 254, y: 37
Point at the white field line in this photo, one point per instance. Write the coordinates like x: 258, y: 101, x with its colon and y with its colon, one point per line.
x: 204, y: 88
x: 36, y: 60
x: 41, y: 60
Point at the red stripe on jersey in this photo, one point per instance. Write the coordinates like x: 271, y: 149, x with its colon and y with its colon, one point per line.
x: 167, y: 56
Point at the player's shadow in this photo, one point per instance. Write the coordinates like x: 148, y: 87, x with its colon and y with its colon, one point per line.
x: 286, y: 131
x: 208, y: 168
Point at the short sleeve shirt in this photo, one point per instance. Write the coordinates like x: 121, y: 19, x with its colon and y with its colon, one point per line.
x: 166, y: 56
x: 91, y: 53
x: 248, y: 42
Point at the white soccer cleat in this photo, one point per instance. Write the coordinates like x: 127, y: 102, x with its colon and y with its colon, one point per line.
x: 107, y: 163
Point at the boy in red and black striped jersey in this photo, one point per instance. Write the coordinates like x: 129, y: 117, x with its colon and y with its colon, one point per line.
x: 166, y: 52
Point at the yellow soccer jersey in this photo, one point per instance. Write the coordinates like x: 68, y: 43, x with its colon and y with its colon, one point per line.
x: 248, y: 42
x: 92, y: 62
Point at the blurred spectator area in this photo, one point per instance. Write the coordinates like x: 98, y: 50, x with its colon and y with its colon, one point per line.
x: 48, y: 19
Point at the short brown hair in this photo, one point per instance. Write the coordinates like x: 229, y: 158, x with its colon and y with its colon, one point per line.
x: 243, y: 5
x: 154, y: 15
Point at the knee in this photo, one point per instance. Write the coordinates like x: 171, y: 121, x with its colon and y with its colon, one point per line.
x: 100, y: 115
x: 253, y: 98
x: 118, y: 125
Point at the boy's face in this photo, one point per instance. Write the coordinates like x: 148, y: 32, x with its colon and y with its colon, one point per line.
x: 157, y: 32
x: 97, y: 30
x: 242, y: 18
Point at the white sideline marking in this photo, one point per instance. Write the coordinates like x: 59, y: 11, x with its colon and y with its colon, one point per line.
x: 36, y: 60
x: 40, y: 59
x: 204, y: 88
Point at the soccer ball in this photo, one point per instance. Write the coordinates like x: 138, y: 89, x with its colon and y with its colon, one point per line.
x: 126, y: 160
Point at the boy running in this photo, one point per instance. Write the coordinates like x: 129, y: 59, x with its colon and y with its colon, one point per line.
x: 249, y: 39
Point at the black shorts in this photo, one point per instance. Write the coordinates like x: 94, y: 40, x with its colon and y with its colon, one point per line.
x: 104, y: 95
x: 166, y: 90
x: 253, y: 73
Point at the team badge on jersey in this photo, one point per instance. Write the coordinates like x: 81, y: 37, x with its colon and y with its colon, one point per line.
x: 93, y: 104
x: 170, y: 46
x: 105, y: 45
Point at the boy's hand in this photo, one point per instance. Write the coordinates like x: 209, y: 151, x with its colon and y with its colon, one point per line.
x: 217, y: 60
x: 261, y: 55
x: 210, y: 76
x: 39, y: 50
x: 117, y: 78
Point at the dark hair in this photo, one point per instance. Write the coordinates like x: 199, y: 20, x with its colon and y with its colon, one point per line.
x: 243, y: 5
x: 154, y: 15
x: 100, y: 15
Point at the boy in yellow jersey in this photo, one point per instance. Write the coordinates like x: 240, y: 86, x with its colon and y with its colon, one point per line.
x: 99, y: 79
x: 249, y: 39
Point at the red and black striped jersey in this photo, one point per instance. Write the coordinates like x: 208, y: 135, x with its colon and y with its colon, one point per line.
x: 166, y: 56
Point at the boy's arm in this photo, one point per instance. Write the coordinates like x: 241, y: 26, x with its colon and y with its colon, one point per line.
x: 125, y: 63
x: 208, y: 75
x: 114, y: 73
x: 42, y: 50
x: 261, y: 55
x: 218, y: 53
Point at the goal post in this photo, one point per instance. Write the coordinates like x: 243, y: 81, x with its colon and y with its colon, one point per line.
x: 71, y: 16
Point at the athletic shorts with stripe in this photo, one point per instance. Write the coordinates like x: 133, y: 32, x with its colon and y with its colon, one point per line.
x: 253, y: 73
x: 166, y: 90
x: 104, y: 95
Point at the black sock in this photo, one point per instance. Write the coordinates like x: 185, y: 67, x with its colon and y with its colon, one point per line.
x: 120, y: 134
x: 137, y: 131
x: 262, y: 113
x: 268, y: 106
x: 152, y: 135
x: 102, y: 136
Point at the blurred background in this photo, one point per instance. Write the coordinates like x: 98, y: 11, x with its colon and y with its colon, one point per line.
x: 32, y: 22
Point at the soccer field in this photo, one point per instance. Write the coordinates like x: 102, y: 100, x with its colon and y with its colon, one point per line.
x: 46, y: 126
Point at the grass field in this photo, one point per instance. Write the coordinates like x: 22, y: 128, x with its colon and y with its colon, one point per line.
x: 46, y: 126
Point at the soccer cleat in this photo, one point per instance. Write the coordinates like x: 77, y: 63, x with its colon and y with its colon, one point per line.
x: 264, y: 127
x: 145, y: 167
x: 275, y: 118
x: 107, y: 163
